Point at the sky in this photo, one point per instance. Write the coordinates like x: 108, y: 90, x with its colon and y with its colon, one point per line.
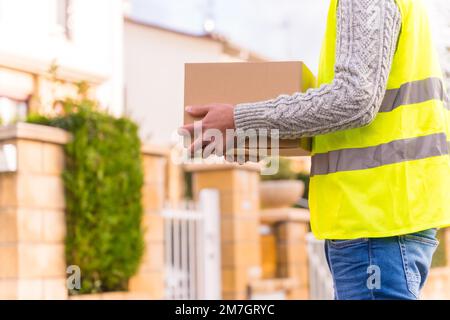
x: 186, y: 15
x: 276, y: 29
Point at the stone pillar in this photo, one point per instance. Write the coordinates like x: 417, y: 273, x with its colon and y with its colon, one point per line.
x: 32, y: 220
x: 239, y: 205
x: 175, y: 186
x: 291, y: 227
x: 150, y: 278
x: 293, y: 256
x: 269, y: 252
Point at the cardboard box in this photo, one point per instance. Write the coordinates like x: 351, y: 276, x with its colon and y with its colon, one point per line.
x: 243, y: 82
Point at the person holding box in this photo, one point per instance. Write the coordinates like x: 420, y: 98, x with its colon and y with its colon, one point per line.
x: 380, y: 176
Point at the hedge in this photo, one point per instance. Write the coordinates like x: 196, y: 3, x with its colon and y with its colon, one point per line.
x: 103, y: 181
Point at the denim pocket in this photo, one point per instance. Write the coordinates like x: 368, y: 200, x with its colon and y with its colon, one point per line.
x: 425, y: 237
x: 417, y: 251
x: 338, y: 244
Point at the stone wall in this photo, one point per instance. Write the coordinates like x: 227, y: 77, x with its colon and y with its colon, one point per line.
x: 32, y: 218
x: 150, y: 277
x: 32, y: 222
x: 290, y: 227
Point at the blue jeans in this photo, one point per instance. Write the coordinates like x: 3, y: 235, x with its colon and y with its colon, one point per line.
x: 381, y: 268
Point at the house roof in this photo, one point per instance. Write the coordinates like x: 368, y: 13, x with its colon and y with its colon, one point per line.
x: 147, y: 24
x: 229, y: 48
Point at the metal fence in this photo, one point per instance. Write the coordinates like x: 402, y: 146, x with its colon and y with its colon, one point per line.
x: 192, y: 249
x: 320, y: 281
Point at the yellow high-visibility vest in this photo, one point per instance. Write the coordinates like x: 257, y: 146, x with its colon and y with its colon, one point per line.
x: 391, y: 177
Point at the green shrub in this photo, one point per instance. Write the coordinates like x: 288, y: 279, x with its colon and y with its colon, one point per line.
x: 103, y: 180
x: 285, y: 171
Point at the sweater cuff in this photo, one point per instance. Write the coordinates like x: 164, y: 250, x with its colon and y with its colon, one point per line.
x: 250, y: 116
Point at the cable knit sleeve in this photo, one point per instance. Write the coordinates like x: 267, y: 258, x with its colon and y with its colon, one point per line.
x: 367, y: 36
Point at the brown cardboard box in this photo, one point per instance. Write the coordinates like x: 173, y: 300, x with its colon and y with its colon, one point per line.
x: 247, y: 82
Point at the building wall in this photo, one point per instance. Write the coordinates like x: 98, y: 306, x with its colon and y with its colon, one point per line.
x: 154, y: 76
x: 31, y: 40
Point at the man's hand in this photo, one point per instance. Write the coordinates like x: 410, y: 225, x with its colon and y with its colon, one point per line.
x: 215, y: 116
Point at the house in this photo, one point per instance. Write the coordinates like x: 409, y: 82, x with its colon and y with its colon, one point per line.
x: 69, y: 34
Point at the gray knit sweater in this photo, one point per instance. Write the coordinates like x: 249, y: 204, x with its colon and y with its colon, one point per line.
x: 367, y: 36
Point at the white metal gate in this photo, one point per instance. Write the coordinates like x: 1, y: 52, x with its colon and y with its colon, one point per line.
x: 192, y: 249
x: 320, y: 280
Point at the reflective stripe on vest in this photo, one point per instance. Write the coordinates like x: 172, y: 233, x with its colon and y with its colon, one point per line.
x: 389, y: 153
x: 414, y: 92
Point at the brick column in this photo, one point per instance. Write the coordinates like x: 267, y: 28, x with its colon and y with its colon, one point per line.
x: 239, y: 205
x: 175, y: 185
x: 32, y: 221
x: 291, y: 227
x: 150, y: 278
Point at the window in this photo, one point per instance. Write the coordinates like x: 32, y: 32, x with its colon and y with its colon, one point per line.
x: 64, y: 16
x: 12, y: 110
